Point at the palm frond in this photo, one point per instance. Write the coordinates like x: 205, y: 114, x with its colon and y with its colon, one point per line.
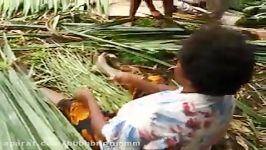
x: 9, y: 8
x: 28, y: 122
x: 72, y: 71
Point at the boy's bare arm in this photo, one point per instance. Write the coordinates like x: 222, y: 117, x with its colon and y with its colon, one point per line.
x: 128, y: 80
x: 132, y: 81
x: 96, y: 115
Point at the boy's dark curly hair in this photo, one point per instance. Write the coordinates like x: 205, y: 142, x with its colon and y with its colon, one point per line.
x: 217, y: 60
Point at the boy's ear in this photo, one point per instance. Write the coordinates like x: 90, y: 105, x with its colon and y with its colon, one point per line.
x: 181, y: 77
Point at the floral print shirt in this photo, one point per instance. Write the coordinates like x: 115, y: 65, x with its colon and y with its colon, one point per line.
x: 169, y: 119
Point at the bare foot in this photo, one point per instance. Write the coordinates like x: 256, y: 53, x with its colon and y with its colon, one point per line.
x: 132, y: 22
x: 156, y: 14
x: 104, y: 67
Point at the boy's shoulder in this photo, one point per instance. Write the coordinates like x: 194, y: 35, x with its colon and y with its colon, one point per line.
x: 165, y: 100
x: 176, y: 96
x: 175, y: 101
x: 156, y: 98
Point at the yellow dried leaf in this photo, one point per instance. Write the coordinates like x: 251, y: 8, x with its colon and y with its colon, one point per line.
x: 262, y: 138
x: 185, y: 16
x: 240, y: 140
x: 240, y: 127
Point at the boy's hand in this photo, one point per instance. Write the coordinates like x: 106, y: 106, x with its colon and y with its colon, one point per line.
x: 83, y: 95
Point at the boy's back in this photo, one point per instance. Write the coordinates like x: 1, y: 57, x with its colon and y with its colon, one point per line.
x: 171, y: 119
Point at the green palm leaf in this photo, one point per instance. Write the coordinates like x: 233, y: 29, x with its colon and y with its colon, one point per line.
x: 9, y: 8
x: 27, y: 121
x: 72, y: 71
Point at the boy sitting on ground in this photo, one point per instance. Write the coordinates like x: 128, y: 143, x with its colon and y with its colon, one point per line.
x: 213, y: 65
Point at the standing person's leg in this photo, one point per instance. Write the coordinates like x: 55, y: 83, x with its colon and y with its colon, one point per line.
x: 134, y: 5
x: 168, y: 6
x: 154, y: 12
x: 217, y: 8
